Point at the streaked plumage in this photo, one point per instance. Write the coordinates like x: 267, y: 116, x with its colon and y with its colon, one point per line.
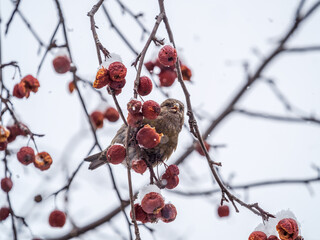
x: 169, y: 123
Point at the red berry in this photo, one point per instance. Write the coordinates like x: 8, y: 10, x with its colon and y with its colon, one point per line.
x: 199, y: 149
x: 168, y: 213
x: 57, y: 218
x: 71, y: 87
x: 117, y: 71
x: 257, y: 235
x: 134, y: 106
x: 19, y: 90
x: 114, y: 91
x: 151, y: 109
x: 172, y: 170
x: 116, y: 154
x: 43, y: 161
x: 61, y: 64
x: 288, y: 229
x: 149, y: 66
x: 170, y: 181
x: 4, y: 213
x: 167, y: 56
x: 145, y: 86
x: 139, y: 166
x: 6, y: 184
x: 14, y: 132
x: 152, y: 203
x: 31, y: 84
x: 117, y: 84
x: 102, y: 78
x: 167, y: 78
x: 223, y: 211
x: 186, y: 73
x: 147, y: 137
x: 3, y: 145
x: 111, y: 114
x: 141, y: 215
x: 96, y: 118
x: 273, y: 237
x: 134, y: 120
x: 26, y: 155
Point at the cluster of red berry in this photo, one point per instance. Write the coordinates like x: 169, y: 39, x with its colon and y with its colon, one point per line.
x: 287, y: 229
x: 97, y: 117
x: 166, y: 60
x: 113, y: 77
x: 27, y: 84
x: 153, y: 208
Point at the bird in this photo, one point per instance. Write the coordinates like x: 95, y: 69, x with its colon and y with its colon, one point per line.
x: 169, y: 122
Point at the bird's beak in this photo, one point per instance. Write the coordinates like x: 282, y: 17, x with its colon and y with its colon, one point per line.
x: 175, y: 108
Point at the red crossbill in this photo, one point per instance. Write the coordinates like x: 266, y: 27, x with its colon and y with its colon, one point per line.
x: 169, y: 123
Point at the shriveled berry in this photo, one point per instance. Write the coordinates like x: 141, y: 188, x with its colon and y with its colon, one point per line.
x: 147, y: 137
x: 223, y: 211
x: 168, y: 213
x: 26, y: 155
x: 61, y: 64
x: 6, y: 184
x: 287, y: 229
x: 145, y: 86
x: 4, y: 213
x: 151, y: 109
x: 3, y: 145
x: 134, y: 120
x: 273, y: 237
x: 141, y: 215
x: 116, y: 154
x: 19, y: 91
x: 257, y: 235
x: 170, y: 181
x: 186, y: 73
x: 134, y: 106
x: 111, y: 114
x: 149, y: 66
x: 167, y: 55
x: 152, y: 203
x: 199, y: 149
x: 43, y: 161
x: 139, y: 166
x: 102, y: 78
x: 31, y: 84
x: 167, y: 78
x: 172, y: 170
x: 117, y: 71
x: 71, y: 87
x: 96, y: 118
x: 4, y: 133
x: 37, y: 198
x: 57, y: 218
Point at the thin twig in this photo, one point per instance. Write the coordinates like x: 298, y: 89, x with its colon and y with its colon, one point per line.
x: 276, y: 117
x: 12, y: 15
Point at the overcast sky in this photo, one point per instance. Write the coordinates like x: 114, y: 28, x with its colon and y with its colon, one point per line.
x: 214, y: 38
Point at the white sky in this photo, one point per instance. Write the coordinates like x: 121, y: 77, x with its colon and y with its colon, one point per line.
x: 214, y: 38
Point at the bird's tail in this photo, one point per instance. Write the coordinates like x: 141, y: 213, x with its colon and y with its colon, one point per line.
x: 96, y: 160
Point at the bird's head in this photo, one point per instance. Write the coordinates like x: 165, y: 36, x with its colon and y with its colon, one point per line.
x: 173, y: 107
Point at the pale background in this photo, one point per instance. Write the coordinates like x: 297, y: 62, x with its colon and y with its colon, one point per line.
x: 213, y: 38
